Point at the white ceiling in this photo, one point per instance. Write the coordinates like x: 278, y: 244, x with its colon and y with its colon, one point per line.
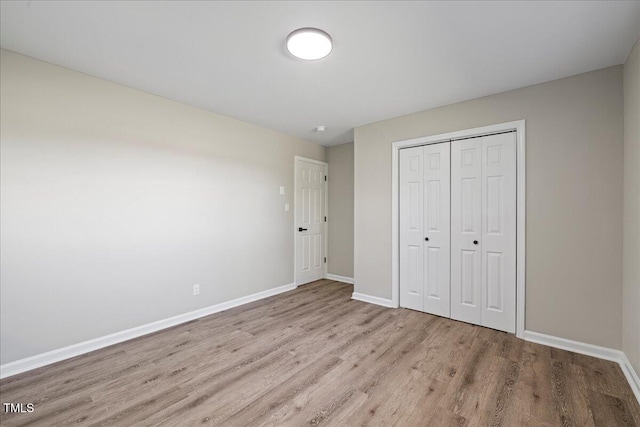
x: 389, y: 58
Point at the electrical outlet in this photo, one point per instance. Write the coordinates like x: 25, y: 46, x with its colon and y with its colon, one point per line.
x: 196, y: 289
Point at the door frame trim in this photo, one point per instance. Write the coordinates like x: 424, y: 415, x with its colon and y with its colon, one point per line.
x: 517, y: 126
x: 295, y: 207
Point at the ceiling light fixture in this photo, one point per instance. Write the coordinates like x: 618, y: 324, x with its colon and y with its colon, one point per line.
x: 309, y: 43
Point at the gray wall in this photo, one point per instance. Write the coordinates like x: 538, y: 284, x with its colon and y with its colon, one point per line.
x: 631, y: 274
x: 574, y: 198
x: 340, y: 259
x: 114, y: 203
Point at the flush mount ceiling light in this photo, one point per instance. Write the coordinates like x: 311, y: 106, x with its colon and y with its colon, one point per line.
x: 309, y: 43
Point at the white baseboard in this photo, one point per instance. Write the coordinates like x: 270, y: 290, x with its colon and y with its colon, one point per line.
x: 337, y: 278
x: 372, y: 300
x: 39, y: 360
x: 590, y: 350
x: 575, y: 346
x: 632, y: 376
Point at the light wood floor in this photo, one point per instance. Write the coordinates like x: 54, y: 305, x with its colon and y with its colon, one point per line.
x: 313, y: 356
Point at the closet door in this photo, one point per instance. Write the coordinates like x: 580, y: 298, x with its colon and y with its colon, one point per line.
x: 411, y: 228
x: 483, y: 231
x: 466, y: 232
x: 424, y: 228
x: 437, y: 250
x: 498, y: 241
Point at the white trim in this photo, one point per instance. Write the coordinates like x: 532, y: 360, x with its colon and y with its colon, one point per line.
x: 308, y: 160
x: 521, y: 229
x: 39, y: 360
x: 373, y: 300
x: 590, y: 350
x: 519, y: 127
x: 395, y: 224
x: 326, y: 213
x: 631, y: 375
x: 337, y: 278
x: 575, y: 346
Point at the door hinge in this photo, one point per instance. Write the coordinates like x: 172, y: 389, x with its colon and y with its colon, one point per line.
x: 325, y: 259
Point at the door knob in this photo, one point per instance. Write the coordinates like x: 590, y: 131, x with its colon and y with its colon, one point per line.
x: 475, y: 242
x: 426, y: 239
x: 302, y: 229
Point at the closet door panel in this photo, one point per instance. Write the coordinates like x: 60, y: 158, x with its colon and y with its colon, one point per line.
x: 437, y: 228
x: 499, y: 231
x: 466, y: 230
x: 412, y: 228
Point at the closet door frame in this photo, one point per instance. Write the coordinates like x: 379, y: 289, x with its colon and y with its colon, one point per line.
x: 519, y: 128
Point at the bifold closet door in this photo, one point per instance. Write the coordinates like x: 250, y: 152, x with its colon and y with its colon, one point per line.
x: 424, y: 228
x: 411, y: 228
x: 483, y: 231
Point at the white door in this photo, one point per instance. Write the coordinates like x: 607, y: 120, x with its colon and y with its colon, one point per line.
x: 437, y: 236
x: 466, y: 206
x: 499, y: 232
x: 412, y: 228
x: 483, y: 231
x: 424, y: 228
x: 310, y: 221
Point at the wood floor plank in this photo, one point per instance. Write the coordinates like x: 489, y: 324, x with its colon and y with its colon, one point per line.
x: 572, y: 403
x: 314, y: 356
x: 500, y: 393
x: 533, y: 403
x: 466, y: 392
x: 609, y: 410
x: 270, y: 407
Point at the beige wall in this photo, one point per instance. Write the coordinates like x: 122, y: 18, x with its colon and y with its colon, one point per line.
x: 115, y: 202
x: 340, y: 158
x: 631, y: 273
x: 574, y: 198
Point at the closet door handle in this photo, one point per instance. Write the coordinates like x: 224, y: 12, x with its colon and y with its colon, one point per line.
x: 426, y: 239
x: 475, y: 242
x: 302, y: 229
